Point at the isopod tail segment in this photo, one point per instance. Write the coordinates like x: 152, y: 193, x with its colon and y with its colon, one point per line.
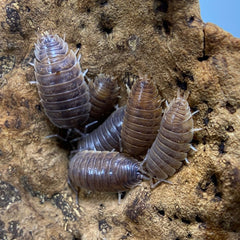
x: 172, y: 143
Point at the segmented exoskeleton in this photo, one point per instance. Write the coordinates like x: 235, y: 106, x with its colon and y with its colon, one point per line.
x: 172, y: 144
x: 64, y: 93
x: 107, y: 136
x: 104, y: 93
x: 142, y: 117
x: 104, y: 171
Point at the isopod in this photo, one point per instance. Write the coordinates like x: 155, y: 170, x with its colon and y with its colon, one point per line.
x: 107, y: 136
x: 172, y: 143
x: 104, y: 171
x: 142, y: 117
x: 61, y: 86
x: 104, y: 92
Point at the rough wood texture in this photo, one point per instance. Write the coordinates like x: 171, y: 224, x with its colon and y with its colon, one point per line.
x: 166, y: 40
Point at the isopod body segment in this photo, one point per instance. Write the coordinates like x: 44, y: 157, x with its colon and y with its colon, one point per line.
x: 104, y: 93
x: 107, y: 136
x: 172, y: 144
x: 104, y: 171
x: 60, y: 81
x: 142, y: 117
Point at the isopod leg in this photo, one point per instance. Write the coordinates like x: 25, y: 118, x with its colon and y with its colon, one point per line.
x: 85, y: 72
x: 167, y: 104
x: 146, y: 175
x: 186, y: 95
x: 120, y: 144
x: 32, y: 82
x: 57, y: 136
x: 72, y: 153
x: 153, y: 185
x: 191, y: 117
x: 194, y: 113
x: 196, y: 129
x: 76, y: 191
x: 143, y: 172
x: 79, y: 133
x: 128, y: 89
x: 119, y: 197
x: 144, y: 160
x: 76, y: 52
x: 186, y: 161
x: 143, y: 177
x: 193, y: 148
x: 89, y: 125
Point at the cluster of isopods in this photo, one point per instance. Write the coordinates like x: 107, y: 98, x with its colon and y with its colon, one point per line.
x: 108, y: 158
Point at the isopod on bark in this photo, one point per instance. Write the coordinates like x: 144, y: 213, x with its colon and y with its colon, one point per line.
x: 107, y: 136
x: 142, y: 117
x: 104, y: 171
x: 104, y: 93
x: 172, y: 143
x: 60, y: 81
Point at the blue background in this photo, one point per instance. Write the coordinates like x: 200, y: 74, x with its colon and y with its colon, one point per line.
x: 225, y: 14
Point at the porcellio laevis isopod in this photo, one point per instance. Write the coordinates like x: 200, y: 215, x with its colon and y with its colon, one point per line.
x: 61, y: 86
x: 172, y: 143
x: 104, y: 93
x: 107, y: 136
x: 103, y: 171
x: 142, y: 117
